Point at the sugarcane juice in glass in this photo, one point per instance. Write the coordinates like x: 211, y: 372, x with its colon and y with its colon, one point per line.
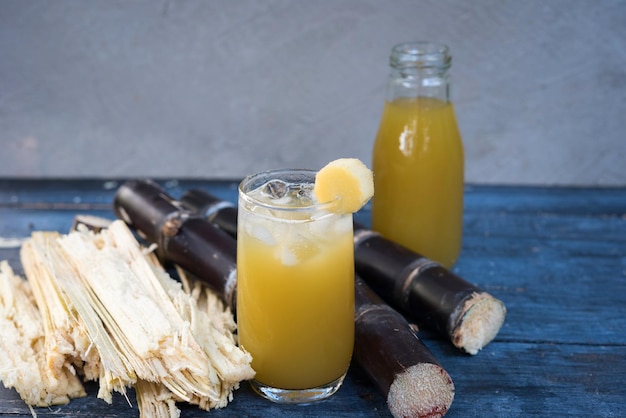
x: 295, y: 287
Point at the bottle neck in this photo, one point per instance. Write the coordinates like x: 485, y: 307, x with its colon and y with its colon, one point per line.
x: 419, y: 69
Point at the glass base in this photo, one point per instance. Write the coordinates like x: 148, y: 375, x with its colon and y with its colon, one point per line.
x: 297, y: 396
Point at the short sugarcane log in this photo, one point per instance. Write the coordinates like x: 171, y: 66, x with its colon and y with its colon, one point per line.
x: 215, y: 210
x: 402, y: 367
x: 386, y: 347
x: 434, y: 296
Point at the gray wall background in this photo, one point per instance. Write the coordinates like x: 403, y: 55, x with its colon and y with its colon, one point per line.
x: 189, y: 88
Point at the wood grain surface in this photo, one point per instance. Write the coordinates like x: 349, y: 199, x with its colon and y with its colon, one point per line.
x: 556, y: 256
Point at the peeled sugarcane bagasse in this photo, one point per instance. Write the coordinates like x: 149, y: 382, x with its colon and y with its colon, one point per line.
x: 23, y: 363
x: 106, y: 310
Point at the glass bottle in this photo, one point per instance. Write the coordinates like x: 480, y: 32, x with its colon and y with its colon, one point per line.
x: 418, y: 158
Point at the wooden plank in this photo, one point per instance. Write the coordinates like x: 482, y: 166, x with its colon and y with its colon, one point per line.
x: 561, y: 200
x: 94, y: 192
x: 588, y: 201
x: 356, y: 398
x: 507, y: 379
x: 539, y: 379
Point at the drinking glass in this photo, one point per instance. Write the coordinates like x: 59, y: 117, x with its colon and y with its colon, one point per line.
x: 295, y: 287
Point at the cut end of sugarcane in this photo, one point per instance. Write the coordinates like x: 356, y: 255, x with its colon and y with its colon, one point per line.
x: 346, y: 181
x: 481, y: 318
x: 423, y: 390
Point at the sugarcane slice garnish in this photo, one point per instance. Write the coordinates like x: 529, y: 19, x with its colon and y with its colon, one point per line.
x: 346, y: 181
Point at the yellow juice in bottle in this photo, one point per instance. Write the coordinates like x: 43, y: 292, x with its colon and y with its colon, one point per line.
x: 418, y: 177
x: 295, y: 297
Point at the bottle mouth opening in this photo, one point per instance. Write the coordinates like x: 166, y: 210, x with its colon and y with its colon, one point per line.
x: 420, y: 54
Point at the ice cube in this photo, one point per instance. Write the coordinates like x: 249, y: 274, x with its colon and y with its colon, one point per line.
x: 287, y: 256
x: 304, y: 194
x: 263, y: 234
x: 297, y: 248
x: 275, y: 189
x: 322, y: 228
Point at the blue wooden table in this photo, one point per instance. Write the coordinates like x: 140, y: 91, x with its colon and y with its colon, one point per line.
x: 555, y: 256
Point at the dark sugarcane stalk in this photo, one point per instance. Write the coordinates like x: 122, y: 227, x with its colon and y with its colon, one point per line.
x: 468, y: 316
x: 215, y: 210
x: 182, y: 237
x: 386, y: 347
x: 396, y: 359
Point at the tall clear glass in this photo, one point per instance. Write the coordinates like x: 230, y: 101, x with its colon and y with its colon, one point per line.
x: 295, y: 287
